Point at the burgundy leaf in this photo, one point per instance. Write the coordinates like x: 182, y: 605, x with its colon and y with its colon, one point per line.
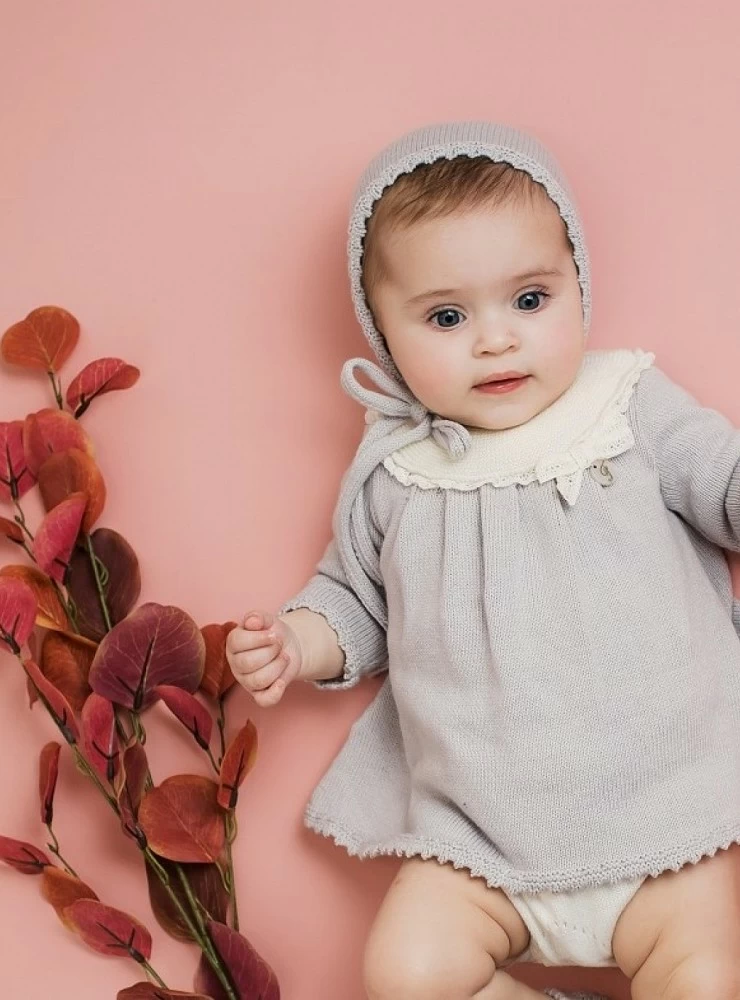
x: 62, y: 889
x: 130, y: 789
x: 182, y: 820
x: 100, y: 736
x: 48, y: 773
x: 237, y: 763
x: 109, y: 931
x: 252, y: 977
x: 155, y: 645
x: 49, y: 431
x: 15, y: 478
x: 205, y: 883
x: 23, y: 857
x: 189, y: 711
x: 149, y: 991
x: 57, y: 535
x: 17, y: 612
x: 121, y: 589
x: 100, y: 376
x: 55, y: 702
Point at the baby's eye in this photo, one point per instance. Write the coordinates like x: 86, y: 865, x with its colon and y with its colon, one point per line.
x: 448, y: 318
x: 535, y: 294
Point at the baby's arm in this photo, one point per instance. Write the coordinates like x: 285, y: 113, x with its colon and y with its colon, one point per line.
x: 324, y: 634
x: 696, y: 451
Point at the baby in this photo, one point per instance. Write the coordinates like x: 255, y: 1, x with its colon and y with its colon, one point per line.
x: 530, y: 542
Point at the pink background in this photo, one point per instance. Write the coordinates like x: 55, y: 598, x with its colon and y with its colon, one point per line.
x: 177, y: 175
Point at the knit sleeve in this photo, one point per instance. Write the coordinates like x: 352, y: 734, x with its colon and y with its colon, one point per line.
x: 328, y: 593
x: 696, y: 451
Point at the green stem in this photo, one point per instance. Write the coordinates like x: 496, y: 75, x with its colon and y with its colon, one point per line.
x: 230, y: 824
x: 20, y: 519
x: 195, y: 907
x: 57, y: 387
x: 98, y: 582
x: 153, y: 975
x: 212, y: 759
x: 54, y: 848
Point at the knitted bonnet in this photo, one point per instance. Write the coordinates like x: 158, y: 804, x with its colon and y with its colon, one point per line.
x: 400, y: 418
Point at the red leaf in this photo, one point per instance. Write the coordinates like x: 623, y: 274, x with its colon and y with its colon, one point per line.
x: 130, y: 788
x: 57, y: 705
x: 252, y: 977
x: 57, y: 535
x: 109, y: 931
x: 217, y: 675
x: 101, y: 376
x: 189, y: 711
x: 17, y: 613
x: 62, y: 889
x: 43, y: 340
x: 73, y: 471
x: 50, y: 612
x: 181, y: 819
x: 206, y: 885
x: 23, y: 857
x: 100, y: 736
x: 49, y: 431
x: 10, y: 529
x: 237, y: 763
x: 155, y: 645
x: 65, y: 661
x: 121, y: 590
x: 149, y: 991
x: 15, y: 478
x: 48, y: 773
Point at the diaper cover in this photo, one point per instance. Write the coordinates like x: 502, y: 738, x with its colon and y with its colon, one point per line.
x: 576, y: 927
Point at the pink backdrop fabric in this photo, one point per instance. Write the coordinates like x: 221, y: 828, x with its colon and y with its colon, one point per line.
x: 177, y: 174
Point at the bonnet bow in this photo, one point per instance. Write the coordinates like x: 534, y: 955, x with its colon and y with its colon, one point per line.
x: 358, y: 541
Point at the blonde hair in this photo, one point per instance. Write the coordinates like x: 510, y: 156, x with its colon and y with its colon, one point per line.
x: 434, y: 190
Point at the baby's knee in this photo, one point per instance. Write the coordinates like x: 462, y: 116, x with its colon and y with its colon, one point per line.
x: 417, y: 973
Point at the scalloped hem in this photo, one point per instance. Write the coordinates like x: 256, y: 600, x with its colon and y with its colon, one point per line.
x: 521, y: 882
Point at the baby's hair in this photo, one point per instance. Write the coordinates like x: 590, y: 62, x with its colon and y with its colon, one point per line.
x: 433, y: 190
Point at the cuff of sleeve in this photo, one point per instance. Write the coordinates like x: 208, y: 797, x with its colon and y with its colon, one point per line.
x: 360, y: 637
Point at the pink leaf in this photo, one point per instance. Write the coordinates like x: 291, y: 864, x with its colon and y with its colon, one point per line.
x: 100, y: 737
x: 55, y: 703
x: 189, y: 711
x: 15, y: 477
x: 155, y: 645
x: 48, y: 773
x: 103, y: 375
x: 25, y: 858
x: 149, y: 991
x: 109, y: 931
x: 17, y: 612
x: 49, y: 431
x: 57, y: 535
x: 252, y: 977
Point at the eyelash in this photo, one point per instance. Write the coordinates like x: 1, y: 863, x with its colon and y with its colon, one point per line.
x: 539, y: 291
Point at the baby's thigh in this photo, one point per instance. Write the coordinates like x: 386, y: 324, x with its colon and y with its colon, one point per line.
x: 678, y: 936
x: 439, y: 933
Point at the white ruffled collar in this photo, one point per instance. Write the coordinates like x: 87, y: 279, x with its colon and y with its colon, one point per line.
x: 590, y: 416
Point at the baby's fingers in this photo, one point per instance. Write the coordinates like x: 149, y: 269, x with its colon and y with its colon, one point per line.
x: 270, y: 696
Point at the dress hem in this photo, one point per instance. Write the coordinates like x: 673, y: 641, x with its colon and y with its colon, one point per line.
x: 460, y: 857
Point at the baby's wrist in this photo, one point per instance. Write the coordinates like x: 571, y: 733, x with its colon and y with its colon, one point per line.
x: 321, y: 656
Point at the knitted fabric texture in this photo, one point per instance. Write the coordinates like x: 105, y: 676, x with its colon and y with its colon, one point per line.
x: 562, y: 702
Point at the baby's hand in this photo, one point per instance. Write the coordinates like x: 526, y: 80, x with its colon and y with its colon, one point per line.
x: 264, y: 656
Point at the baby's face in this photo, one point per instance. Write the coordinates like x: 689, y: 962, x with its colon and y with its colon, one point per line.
x: 458, y: 308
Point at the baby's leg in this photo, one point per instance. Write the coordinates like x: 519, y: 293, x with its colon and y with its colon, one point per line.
x: 678, y: 937
x: 440, y: 935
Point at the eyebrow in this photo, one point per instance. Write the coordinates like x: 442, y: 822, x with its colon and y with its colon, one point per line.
x: 553, y: 272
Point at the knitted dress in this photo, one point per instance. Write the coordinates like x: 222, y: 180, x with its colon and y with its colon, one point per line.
x: 562, y: 700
